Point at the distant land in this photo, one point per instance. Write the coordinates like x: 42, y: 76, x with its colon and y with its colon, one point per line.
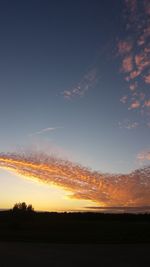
x: 137, y: 210
x: 143, y: 209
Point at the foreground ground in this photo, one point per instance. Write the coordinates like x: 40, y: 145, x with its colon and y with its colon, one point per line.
x: 75, y: 228
x: 68, y: 255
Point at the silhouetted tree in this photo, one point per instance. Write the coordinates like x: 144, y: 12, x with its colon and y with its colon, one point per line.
x: 30, y: 208
x: 22, y: 208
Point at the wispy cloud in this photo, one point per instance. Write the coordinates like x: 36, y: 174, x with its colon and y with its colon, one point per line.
x: 144, y: 156
x: 127, y: 124
x: 48, y: 129
x: 131, y: 189
x: 88, y: 81
x: 124, y: 99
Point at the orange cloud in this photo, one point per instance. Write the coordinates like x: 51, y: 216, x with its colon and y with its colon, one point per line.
x: 139, y: 59
x: 147, y: 103
x: 135, y: 74
x: 127, y: 64
x: 142, y: 61
x: 135, y: 104
x: 147, y: 78
x: 131, y: 189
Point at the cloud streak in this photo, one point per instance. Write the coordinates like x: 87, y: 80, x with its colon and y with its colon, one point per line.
x: 132, y: 189
x: 48, y: 129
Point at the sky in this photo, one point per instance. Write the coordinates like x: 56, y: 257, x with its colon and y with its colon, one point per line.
x: 75, y: 91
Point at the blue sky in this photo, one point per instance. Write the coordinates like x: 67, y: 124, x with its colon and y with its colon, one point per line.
x: 68, y: 66
x: 47, y: 48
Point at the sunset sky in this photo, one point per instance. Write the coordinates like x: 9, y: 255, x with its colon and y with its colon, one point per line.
x: 75, y: 85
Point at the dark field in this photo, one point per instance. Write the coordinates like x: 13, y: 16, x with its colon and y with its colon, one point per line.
x: 72, y: 255
x: 80, y: 228
x: 74, y: 239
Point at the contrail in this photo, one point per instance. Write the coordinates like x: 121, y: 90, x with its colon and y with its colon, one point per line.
x: 105, y: 189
